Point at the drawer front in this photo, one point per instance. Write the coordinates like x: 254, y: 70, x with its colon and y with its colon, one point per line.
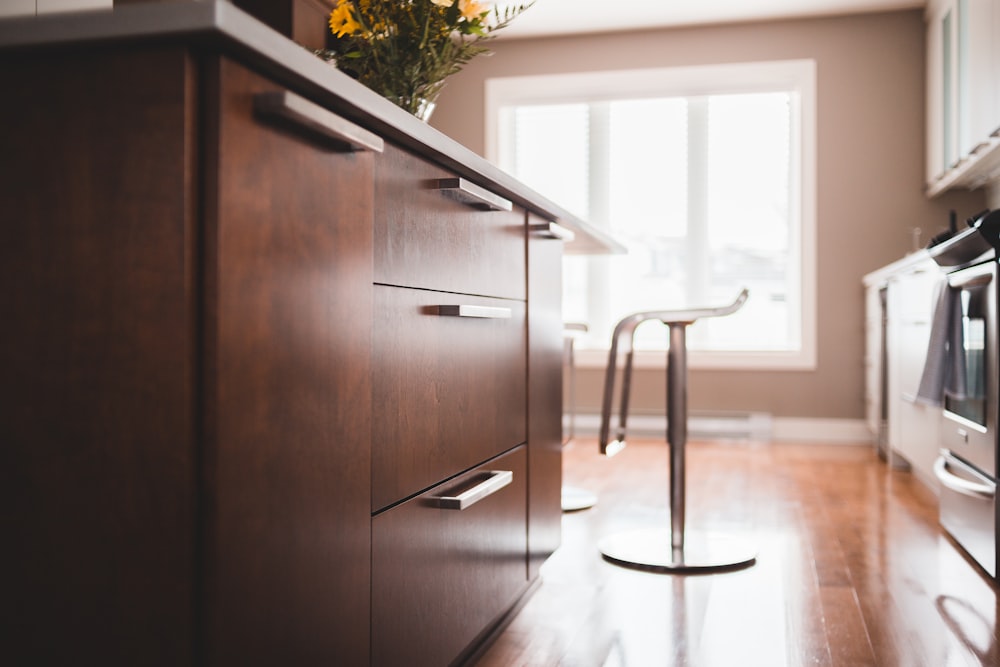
x: 441, y: 576
x: 449, y: 390
x: 426, y: 237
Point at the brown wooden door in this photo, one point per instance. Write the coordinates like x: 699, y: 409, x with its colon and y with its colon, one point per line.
x: 98, y: 350
x: 287, y: 354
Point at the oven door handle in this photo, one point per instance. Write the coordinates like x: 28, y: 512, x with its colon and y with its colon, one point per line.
x: 985, y: 490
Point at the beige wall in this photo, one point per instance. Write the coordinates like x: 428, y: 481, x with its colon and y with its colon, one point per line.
x: 870, y: 84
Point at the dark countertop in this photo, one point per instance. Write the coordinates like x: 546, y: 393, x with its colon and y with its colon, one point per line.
x: 217, y: 24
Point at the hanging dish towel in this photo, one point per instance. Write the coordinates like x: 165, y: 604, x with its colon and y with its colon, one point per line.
x: 944, y: 368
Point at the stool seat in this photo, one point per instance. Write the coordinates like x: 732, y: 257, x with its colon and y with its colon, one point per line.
x: 651, y: 549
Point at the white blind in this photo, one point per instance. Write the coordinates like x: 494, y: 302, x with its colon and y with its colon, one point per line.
x: 551, y: 152
x: 700, y: 189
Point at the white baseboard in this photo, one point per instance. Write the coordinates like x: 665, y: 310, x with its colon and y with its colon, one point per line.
x: 834, y: 431
x: 756, y: 426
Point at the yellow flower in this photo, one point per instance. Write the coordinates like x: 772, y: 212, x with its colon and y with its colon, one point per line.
x: 405, y: 49
x: 342, y: 21
x: 471, y: 9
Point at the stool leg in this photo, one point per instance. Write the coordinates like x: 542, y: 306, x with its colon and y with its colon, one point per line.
x: 677, y: 431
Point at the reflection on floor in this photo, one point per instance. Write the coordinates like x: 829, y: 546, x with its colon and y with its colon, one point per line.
x: 852, y: 568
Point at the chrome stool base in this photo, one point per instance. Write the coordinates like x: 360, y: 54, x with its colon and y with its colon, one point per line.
x: 651, y: 550
x: 575, y: 499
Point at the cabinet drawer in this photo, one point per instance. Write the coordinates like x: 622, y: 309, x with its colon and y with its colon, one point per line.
x: 426, y: 237
x: 448, y: 391
x: 440, y: 576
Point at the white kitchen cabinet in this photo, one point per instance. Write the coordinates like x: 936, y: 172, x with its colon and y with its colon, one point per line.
x: 873, y: 356
x: 963, y: 94
x: 977, y: 74
x: 941, y: 100
x: 912, y: 430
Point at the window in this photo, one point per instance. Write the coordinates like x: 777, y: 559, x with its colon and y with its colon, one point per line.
x: 705, y: 174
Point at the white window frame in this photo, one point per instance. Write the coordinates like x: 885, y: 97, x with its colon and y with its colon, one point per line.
x: 798, y: 76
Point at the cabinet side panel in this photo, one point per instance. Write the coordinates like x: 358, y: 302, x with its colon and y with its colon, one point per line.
x: 545, y: 350
x: 97, y: 351
x: 288, y: 355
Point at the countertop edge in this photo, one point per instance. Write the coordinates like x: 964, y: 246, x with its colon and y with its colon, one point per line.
x: 219, y: 23
x: 902, y: 265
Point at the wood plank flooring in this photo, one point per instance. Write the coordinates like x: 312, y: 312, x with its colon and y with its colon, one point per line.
x: 852, y: 568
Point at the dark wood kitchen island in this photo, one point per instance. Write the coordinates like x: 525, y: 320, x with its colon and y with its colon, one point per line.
x: 281, y: 362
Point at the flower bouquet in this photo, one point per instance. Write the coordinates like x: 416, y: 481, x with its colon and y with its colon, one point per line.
x: 405, y: 49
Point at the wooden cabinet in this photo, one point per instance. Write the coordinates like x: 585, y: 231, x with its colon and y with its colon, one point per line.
x: 450, y: 342
x: 449, y: 390
x: 101, y: 403
x: 258, y: 322
x: 442, y: 575
x: 451, y: 372
x: 427, y: 237
x: 187, y: 357
x: 287, y: 313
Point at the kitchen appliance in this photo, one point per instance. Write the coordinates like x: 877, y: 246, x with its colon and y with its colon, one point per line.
x: 967, y: 314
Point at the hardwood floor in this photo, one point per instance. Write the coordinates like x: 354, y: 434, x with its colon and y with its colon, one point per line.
x: 852, y: 568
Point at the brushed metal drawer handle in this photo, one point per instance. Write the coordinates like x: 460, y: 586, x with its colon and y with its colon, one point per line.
x: 471, y: 194
x: 497, y: 480
x: 488, y: 312
x: 552, y: 230
x: 290, y: 107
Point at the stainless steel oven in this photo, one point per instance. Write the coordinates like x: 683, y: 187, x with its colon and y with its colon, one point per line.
x: 967, y: 466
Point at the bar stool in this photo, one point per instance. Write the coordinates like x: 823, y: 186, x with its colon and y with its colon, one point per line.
x: 654, y: 549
